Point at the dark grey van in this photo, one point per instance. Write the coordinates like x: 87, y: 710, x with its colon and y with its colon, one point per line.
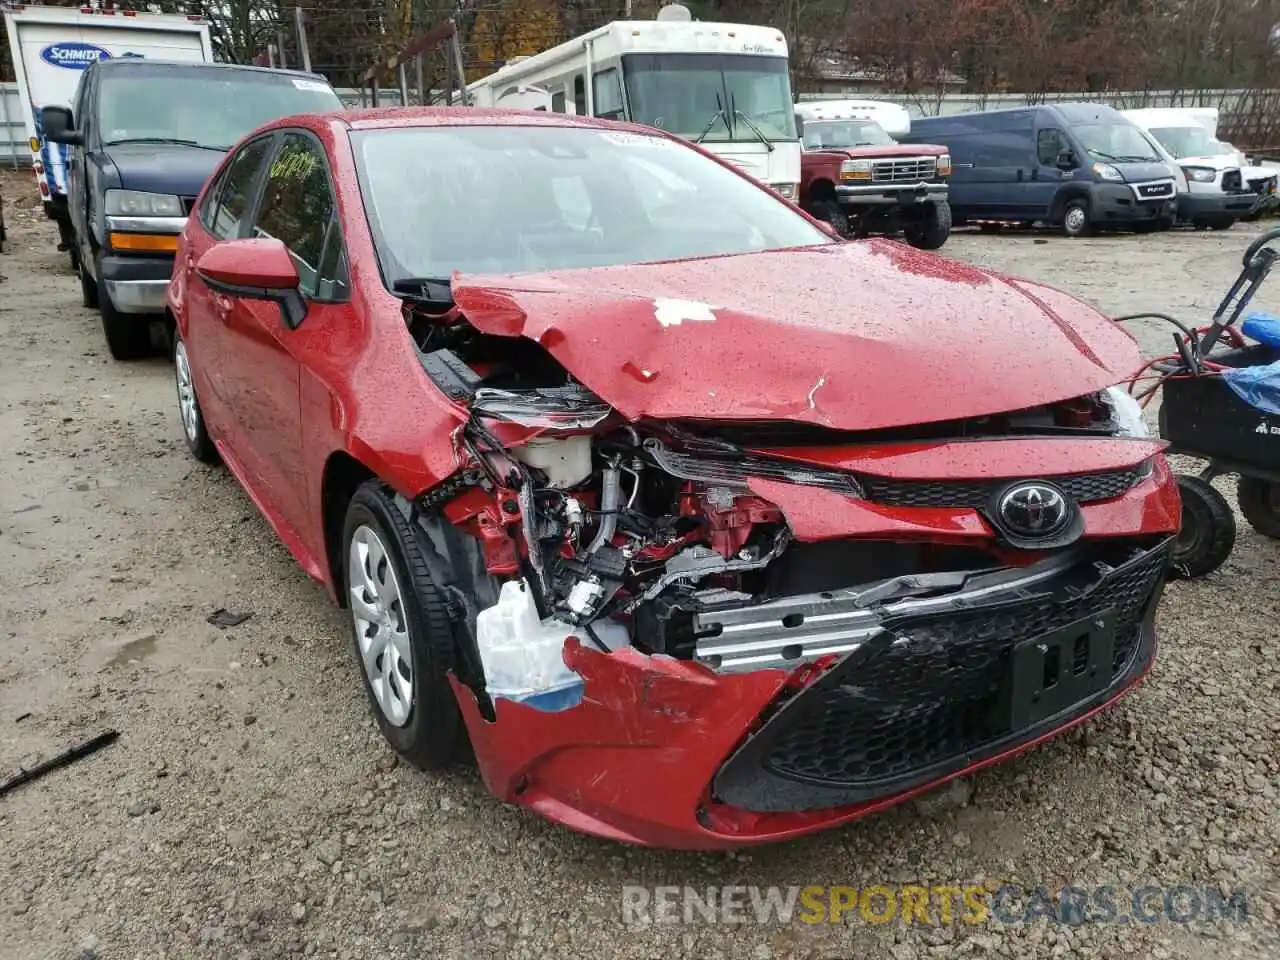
x: 1079, y: 166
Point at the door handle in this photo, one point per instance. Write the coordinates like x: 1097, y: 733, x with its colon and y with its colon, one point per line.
x: 222, y: 306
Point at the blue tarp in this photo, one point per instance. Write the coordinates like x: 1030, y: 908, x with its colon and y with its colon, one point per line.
x: 1259, y: 386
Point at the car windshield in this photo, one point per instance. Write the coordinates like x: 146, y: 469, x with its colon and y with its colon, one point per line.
x: 510, y: 199
x: 828, y: 134
x: 715, y: 96
x: 1115, y: 143
x: 1189, y: 142
x: 202, y: 107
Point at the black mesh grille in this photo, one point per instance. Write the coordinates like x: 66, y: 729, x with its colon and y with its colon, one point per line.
x: 936, y: 693
x: 1082, y: 488
x: 187, y: 204
x: 931, y: 696
x: 1231, y: 181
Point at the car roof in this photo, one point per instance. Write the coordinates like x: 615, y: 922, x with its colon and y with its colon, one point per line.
x: 132, y: 63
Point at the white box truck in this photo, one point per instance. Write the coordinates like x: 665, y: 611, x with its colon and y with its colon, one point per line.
x: 52, y: 46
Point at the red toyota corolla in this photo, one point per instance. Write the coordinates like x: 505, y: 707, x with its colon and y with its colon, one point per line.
x: 705, y: 528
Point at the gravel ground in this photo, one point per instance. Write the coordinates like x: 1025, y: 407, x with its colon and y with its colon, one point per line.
x: 250, y: 810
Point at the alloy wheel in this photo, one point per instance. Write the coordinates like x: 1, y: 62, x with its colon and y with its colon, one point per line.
x: 382, y: 632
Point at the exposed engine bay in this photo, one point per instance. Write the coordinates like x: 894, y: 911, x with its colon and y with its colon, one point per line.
x: 649, y: 534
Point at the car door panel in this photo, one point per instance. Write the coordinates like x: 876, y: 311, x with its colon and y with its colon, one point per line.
x: 224, y: 214
x: 1046, y: 175
x: 260, y: 365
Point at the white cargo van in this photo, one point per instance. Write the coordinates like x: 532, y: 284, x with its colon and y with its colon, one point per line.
x: 51, y: 48
x: 1212, y: 188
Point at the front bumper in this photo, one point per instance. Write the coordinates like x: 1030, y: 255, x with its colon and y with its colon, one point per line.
x: 1193, y: 206
x: 1117, y: 204
x: 137, y: 284
x: 890, y: 194
x: 670, y: 753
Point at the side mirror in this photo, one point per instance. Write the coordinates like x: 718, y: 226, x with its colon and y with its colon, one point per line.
x: 1067, y: 160
x: 57, y: 125
x: 255, y: 269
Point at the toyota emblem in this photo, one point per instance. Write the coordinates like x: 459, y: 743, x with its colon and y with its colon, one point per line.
x: 1033, y: 510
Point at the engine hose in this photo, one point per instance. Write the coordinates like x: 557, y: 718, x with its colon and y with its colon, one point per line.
x: 610, y: 497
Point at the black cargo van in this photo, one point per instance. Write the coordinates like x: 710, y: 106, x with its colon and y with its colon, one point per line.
x: 1079, y: 166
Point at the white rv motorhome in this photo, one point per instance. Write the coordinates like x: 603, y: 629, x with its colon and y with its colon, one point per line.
x: 726, y: 86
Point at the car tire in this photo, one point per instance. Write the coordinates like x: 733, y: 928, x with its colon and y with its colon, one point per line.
x: 1252, y: 217
x: 1225, y: 223
x: 932, y: 231
x: 1075, y: 218
x: 128, y: 335
x: 189, y: 413
x: 829, y: 211
x: 1259, y: 501
x: 88, y: 286
x: 1208, y: 531
x: 417, y: 715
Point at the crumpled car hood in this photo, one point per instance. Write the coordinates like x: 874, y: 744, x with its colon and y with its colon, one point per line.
x: 850, y: 336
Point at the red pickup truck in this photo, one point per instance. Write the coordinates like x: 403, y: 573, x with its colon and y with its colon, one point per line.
x: 859, y: 179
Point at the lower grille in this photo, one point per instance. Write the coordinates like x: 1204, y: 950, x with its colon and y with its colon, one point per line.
x: 931, y: 694
x: 903, y: 171
x: 1082, y: 488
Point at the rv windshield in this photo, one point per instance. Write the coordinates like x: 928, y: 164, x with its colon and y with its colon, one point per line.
x: 712, y: 96
x: 211, y: 107
x: 1189, y: 142
x: 834, y: 134
x: 514, y: 199
x: 1116, y: 142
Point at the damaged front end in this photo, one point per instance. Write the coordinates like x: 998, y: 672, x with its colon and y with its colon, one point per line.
x: 698, y: 634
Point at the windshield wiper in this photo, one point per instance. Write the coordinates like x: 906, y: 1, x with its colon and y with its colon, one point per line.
x: 174, y: 140
x: 719, y: 115
x: 434, y: 293
x: 1104, y: 156
x: 739, y: 115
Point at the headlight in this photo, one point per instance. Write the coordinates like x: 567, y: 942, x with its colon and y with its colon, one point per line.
x: 944, y: 165
x: 134, y: 203
x: 787, y: 190
x: 1201, y: 174
x: 1126, y: 412
x: 1105, y: 171
x: 855, y: 170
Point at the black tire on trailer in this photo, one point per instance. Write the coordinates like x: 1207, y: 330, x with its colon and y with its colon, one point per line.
x: 933, y: 229
x: 430, y: 733
x: 1208, y: 530
x: 1259, y: 501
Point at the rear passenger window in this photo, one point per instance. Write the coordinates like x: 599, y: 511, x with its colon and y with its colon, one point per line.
x: 227, y: 201
x: 298, y: 209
